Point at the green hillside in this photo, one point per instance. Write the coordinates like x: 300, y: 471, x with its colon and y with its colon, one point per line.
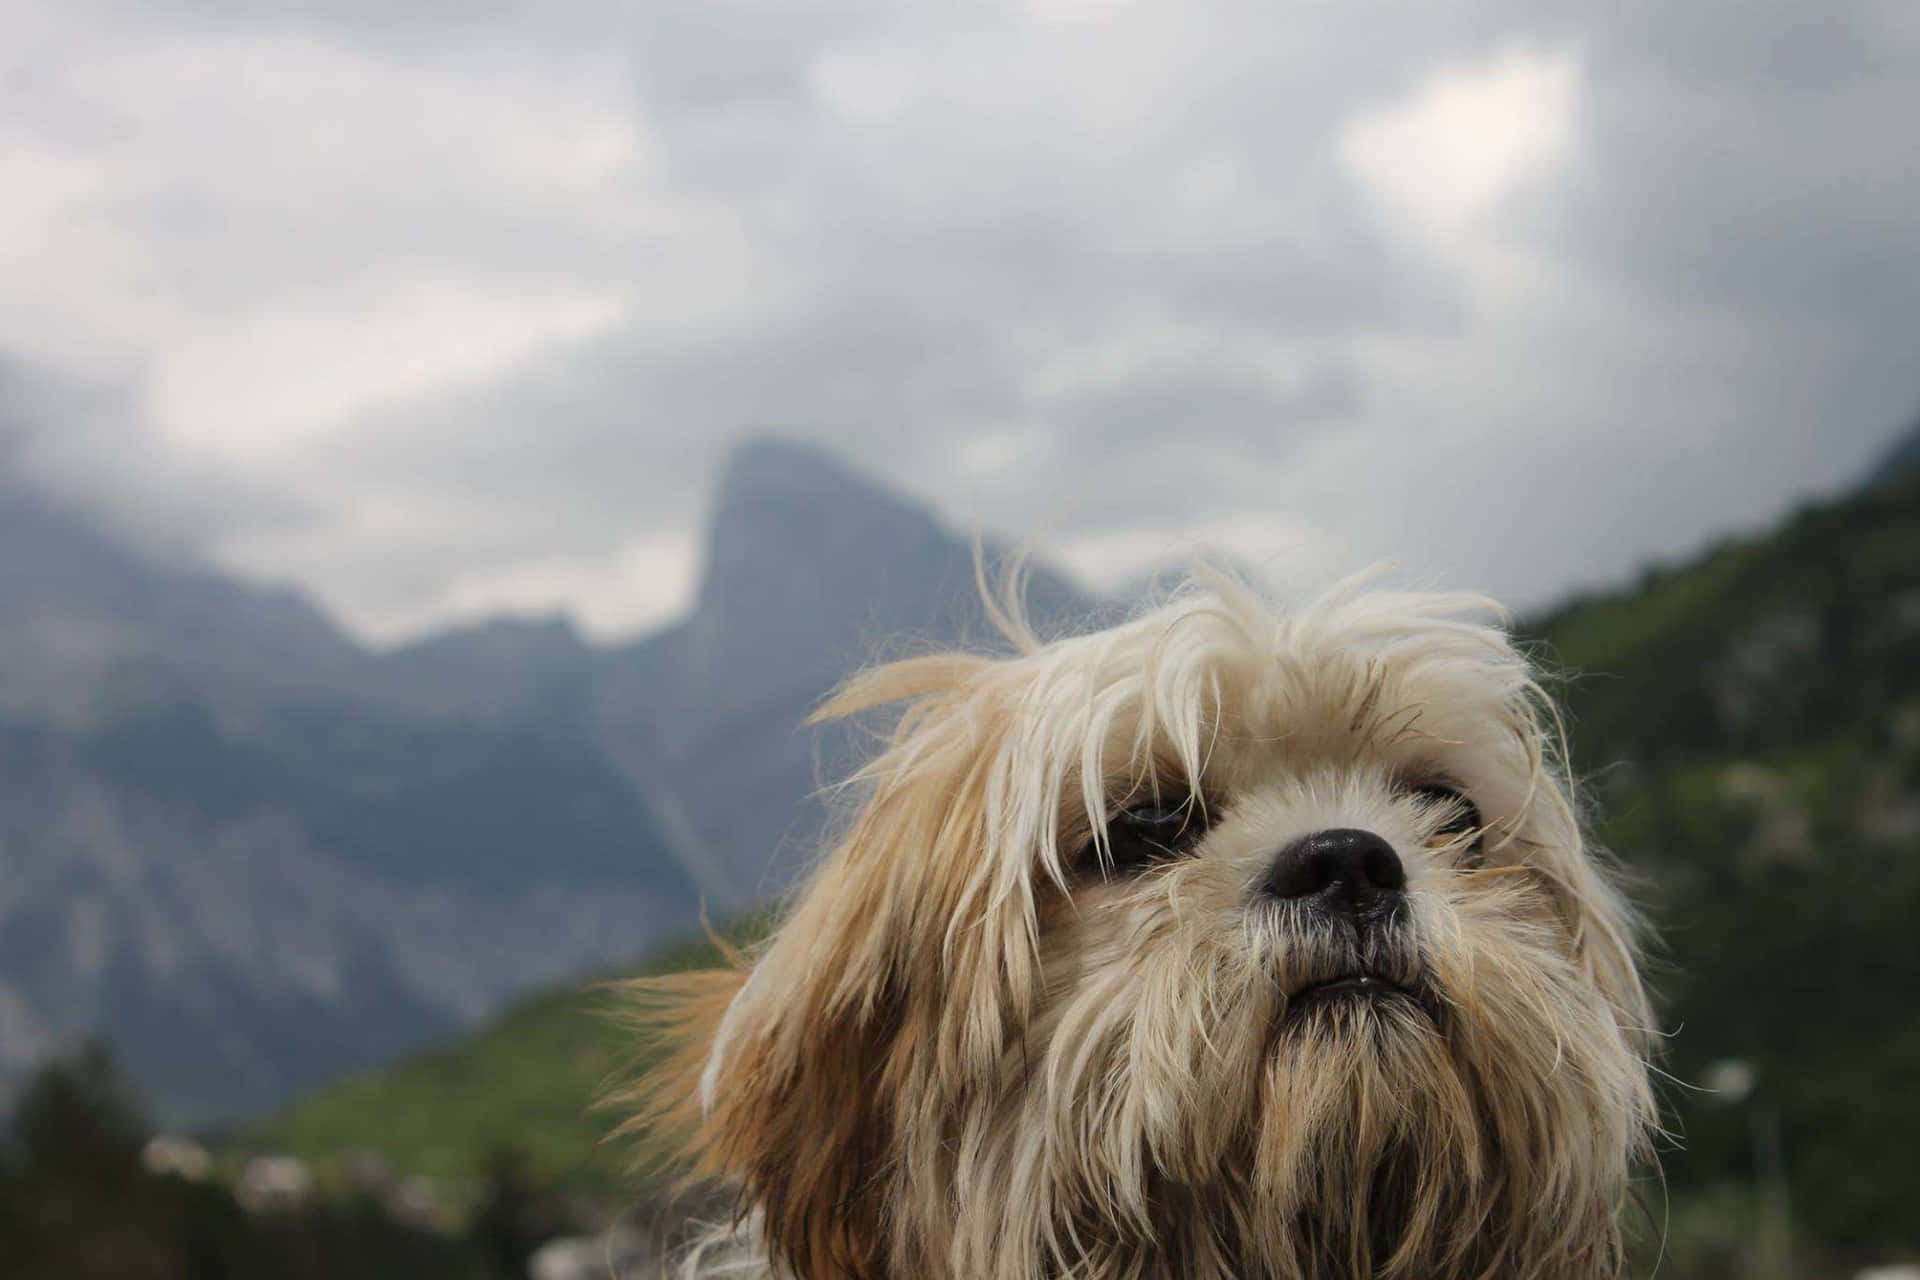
x: 522, y: 1088
x: 1751, y: 724
x: 522, y: 1083
x: 1749, y: 728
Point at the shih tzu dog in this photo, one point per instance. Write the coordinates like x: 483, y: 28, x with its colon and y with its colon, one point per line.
x: 1227, y: 944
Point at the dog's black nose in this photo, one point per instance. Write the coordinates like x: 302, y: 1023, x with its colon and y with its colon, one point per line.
x: 1343, y: 871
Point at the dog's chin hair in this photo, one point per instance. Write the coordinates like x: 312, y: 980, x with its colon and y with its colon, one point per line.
x: 964, y: 1056
x: 1293, y: 1139
x: 1379, y: 1157
x: 1374, y: 1156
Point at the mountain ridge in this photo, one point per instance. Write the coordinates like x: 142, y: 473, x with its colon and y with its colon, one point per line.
x: 445, y: 824
x: 544, y: 805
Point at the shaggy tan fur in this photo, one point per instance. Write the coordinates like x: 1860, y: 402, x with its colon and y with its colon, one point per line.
x: 973, y: 1051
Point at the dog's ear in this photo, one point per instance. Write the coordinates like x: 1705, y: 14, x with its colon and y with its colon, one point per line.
x: 754, y: 1085
x: 792, y: 1076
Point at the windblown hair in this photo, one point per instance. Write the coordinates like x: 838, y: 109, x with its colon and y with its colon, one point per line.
x: 988, y: 1044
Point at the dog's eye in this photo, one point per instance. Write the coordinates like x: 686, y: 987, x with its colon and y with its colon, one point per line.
x: 1141, y: 835
x: 1456, y: 819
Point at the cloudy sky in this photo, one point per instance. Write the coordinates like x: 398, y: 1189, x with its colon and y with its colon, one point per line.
x: 456, y: 306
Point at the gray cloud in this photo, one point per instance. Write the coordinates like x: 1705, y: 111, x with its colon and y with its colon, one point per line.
x: 82, y: 441
x: 1754, y: 157
x: 1107, y: 274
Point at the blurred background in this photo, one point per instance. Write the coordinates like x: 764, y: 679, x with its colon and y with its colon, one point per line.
x: 445, y: 449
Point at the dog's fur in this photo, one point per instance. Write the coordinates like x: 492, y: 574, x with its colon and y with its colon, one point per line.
x: 975, y: 1050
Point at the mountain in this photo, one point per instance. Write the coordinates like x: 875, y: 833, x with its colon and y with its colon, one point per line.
x: 810, y: 572
x: 90, y: 627
x: 243, y: 914
x: 498, y: 669
x: 1748, y: 725
x: 253, y: 854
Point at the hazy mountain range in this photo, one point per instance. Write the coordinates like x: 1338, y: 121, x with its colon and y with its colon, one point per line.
x: 251, y: 853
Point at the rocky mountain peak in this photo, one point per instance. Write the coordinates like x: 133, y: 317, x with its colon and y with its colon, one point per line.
x: 794, y: 528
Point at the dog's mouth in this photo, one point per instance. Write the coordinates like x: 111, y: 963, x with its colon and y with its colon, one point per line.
x: 1348, y: 988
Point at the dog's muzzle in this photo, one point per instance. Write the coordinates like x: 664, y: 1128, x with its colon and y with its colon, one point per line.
x: 1344, y: 892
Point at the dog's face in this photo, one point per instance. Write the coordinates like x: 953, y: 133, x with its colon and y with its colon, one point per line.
x: 1222, y: 944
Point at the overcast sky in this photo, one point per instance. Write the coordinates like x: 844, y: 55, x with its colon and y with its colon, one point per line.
x: 446, y: 308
